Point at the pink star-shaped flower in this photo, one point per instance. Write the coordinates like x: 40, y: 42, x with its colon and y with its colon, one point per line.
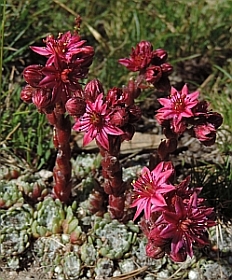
x: 63, y: 48
x: 150, y: 187
x: 96, y: 123
x: 187, y: 225
x: 177, y: 107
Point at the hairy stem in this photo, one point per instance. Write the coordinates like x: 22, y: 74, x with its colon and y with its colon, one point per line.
x: 62, y: 168
x: 114, y: 185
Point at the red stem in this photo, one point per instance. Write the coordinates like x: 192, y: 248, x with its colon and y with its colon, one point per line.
x: 62, y: 169
x: 112, y: 173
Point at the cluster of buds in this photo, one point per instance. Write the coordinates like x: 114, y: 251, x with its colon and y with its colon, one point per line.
x: 175, y: 217
x: 52, y: 85
x: 183, y: 112
x: 151, y: 64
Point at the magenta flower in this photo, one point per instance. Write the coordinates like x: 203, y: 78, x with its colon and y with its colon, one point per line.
x: 63, y: 79
x: 64, y: 48
x: 206, y: 133
x: 96, y: 123
x: 186, y: 226
x: 177, y: 107
x: 150, y: 188
x: 140, y: 57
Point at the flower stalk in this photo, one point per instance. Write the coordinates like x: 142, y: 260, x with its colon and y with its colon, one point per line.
x: 62, y: 169
x: 112, y: 172
x: 53, y: 89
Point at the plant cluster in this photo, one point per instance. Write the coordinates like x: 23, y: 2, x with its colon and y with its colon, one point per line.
x: 175, y: 217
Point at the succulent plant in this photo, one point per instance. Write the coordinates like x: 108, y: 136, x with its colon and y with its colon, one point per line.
x: 104, y: 268
x: 48, y: 252
x: 127, y: 265
x: 48, y: 218
x: 34, y: 186
x: 85, y: 164
x: 220, y: 235
x: 10, y: 194
x: 71, y: 265
x: 15, y: 233
x: 16, y: 218
x: 58, y: 258
x: 214, y: 270
x: 113, y: 239
x: 14, y: 242
x: 71, y: 226
x: 9, y: 173
x: 88, y: 253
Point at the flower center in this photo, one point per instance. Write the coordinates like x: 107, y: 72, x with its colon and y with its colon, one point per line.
x: 179, y: 104
x: 64, y: 75
x: 184, y: 225
x: 96, y: 119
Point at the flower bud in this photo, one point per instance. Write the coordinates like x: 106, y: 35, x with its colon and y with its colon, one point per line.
x: 33, y: 75
x: 27, y: 93
x: 85, y: 56
x: 131, y: 92
x: 153, y: 74
x: 42, y: 99
x: 159, y: 55
x: 154, y: 252
x: 206, y: 133
x: 92, y: 90
x: 114, y: 96
x: 166, y: 68
x: 75, y: 106
x: 119, y: 117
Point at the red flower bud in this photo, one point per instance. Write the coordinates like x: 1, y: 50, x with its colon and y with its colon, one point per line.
x: 131, y: 92
x: 154, y: 252
x: 166, y: 68
x: 114, y: 96
x: 27, y: 93
x: 42, y: 100
x: 119, y: 117
x: 153, y: 74
x: 33, y: 75
x: 159, y: 56
x: 206, y: 133
x: 92, y: 90
x: 75, y: 106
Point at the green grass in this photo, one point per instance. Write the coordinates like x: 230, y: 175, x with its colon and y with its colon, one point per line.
x: 186, y: 29
x: 217, y: 183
